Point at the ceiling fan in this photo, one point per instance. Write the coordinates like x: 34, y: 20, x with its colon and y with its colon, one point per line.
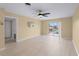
x: 43, y: 14
x: 40, y: 13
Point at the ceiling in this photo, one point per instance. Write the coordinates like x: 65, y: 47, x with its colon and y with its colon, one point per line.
x: 57, y: 10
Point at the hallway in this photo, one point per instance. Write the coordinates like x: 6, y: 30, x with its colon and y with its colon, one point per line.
x: 40, y: 46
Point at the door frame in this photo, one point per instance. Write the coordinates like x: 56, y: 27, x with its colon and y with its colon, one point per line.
x: 60, y: 33
x: 4, y: 25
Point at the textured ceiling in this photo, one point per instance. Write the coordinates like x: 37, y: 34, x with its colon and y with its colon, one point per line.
x: 57, y: 10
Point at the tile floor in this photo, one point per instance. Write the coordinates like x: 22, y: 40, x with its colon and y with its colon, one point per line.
x: 40, y: 46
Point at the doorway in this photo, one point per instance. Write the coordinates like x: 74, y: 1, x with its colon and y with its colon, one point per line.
x: 10, y: 29
x: 54, y: 29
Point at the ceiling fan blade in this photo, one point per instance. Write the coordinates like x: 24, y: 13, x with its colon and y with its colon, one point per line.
x: 39, y: 14
x: 46, y: 13
x: 43, y: 14
x: 28, y: 4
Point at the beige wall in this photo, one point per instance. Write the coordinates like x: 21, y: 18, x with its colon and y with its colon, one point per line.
x: 23, y: 31
x: 76, y: 29
x: 1, y: 30
x: 66, y: 24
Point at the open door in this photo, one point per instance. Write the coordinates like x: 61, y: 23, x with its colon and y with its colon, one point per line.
x: 55, y: 29
x: 10, y: 29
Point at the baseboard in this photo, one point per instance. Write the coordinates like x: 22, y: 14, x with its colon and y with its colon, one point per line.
x: 75, y: 48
